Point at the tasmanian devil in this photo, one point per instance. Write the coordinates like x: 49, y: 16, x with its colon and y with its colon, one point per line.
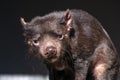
x: 73, y: 45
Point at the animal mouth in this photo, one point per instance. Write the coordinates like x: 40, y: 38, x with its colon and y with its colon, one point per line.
x: 51, y: 58
x: 52, y: 55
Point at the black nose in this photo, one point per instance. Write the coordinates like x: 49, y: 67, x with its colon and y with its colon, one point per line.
x: 50, y: 50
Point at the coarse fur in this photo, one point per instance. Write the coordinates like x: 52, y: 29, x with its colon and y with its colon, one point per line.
x: 74, y: 46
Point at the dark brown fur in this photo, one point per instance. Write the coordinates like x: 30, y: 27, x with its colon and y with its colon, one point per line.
x: 73, y: 45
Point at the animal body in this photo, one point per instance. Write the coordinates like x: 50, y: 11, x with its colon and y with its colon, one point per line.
x: 73, y: 45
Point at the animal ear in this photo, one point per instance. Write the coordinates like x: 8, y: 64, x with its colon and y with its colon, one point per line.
x: 23, y: 22
x: 67, y: 20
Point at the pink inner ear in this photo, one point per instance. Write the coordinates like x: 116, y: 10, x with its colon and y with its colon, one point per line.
x: 68, y: 19
x: 69, y: 24
x: 68, y: 15
x: 23, y: 21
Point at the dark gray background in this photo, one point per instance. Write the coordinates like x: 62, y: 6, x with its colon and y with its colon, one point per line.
x: 13, y: 53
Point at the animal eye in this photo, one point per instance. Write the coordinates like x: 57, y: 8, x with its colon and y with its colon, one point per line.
x: 60, y: 37
x: 35, y: 42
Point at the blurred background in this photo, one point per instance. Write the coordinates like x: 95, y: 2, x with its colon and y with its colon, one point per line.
x: 14, y: 60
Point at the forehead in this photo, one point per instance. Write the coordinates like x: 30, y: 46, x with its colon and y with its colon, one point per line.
x: 50, y: 22
x: 46, y: 24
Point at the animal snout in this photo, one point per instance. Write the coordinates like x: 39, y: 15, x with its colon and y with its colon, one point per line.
x: 50, y: 50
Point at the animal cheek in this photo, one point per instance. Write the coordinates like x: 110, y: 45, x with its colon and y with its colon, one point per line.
x: 29, y: 43
x: 41, y: 51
